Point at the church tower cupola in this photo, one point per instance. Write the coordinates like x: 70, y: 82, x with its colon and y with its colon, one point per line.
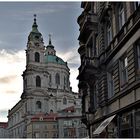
x: 34, y: 26
x: 35, y: 36
x: 50, y: 48
x: 35, y: 45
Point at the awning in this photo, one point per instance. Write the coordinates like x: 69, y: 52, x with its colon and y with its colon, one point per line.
x: 103, y: 125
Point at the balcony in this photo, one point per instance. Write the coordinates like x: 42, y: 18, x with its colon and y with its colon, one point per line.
x: 88, y: 68
x: 88, y: 23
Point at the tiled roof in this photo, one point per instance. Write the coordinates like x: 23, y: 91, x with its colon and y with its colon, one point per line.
x: 71, y: 108
x: 3, y: 124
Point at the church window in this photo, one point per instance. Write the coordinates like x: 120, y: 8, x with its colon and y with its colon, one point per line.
x: 67, y: 82
x: 37, y: 57
x: 57, y: 79
x: 38, y: 105
x: 38, y: 81
x: 64, y: 101
x: 50, y: 78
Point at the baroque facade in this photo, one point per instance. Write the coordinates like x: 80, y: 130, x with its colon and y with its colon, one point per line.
x: 46, y: 90
x: 109, y: 75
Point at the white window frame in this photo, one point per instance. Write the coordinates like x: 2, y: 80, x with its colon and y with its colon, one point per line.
x: 124, y: 70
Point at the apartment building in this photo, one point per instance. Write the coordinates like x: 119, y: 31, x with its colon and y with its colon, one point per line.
x: 109, y: 74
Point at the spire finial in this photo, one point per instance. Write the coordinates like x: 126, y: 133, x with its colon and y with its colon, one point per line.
x: 50, y: 43
x: 34, y: 18
x: 34, y: 26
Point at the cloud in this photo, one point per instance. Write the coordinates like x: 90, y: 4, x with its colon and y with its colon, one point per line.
x: 71, y: 56
x: 7, y: 79
x: 12, y: 66
x: 73, y: 60
x: 3, y: 112
x: 10, y: 91
x: 9, y: 57
x: 73, y: 65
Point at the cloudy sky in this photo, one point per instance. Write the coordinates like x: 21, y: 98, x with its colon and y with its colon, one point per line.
x: 16, y: 19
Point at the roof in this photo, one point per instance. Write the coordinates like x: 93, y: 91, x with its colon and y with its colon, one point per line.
x: 71, y: 109
x: 54, y: 59
x: 46, y: 117
x: 3, y: 124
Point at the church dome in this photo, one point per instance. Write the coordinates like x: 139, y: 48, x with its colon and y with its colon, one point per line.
x: 50, y: 56
x: 54, y: 59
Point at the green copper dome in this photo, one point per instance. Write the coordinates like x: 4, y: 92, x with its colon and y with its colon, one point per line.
x: 54, y: 59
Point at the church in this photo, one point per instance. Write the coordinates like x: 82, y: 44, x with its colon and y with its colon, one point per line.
x: 48, y: 108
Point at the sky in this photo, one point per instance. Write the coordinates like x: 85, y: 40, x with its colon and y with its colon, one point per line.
x: 16, y: 18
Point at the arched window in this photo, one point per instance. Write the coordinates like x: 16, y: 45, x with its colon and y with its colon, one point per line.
x: 64, y: 80
x: 38, y: 105
x: 38, y: 81
x: 37, y: 57
x: 50, y: 78
x: 57, y: 79
x: 64, y: 101
x: 67, y: 80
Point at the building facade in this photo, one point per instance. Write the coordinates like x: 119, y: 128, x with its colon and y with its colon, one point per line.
x: 46, y: 89
x: 69, y: 123
x: 109, y: 75
x: 3, y: 130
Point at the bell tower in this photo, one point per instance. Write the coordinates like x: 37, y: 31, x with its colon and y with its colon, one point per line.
x: 35, y: 77
x: 35, y: 46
